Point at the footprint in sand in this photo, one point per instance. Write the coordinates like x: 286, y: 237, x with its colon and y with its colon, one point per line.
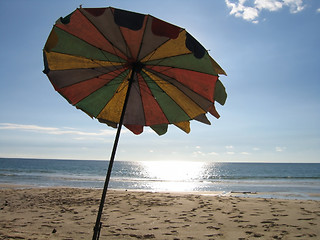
x: 214, y: 235
x: 237, y: 216
x: 131, y: 228
x: 155, y: 228
x: 254, y: 234
x: 270, y: 220
x: 255, y: 214
x: 305, y: 219
x: 213, y: 227
x: 306, y: 235
x: 172, y: 227
x: 248, y: 226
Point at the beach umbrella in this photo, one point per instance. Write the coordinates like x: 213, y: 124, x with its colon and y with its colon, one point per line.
x: 131, y: 69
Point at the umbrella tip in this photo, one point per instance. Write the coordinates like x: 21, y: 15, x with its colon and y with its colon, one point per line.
x: 137, y: 66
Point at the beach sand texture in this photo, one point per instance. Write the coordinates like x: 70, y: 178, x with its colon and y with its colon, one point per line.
x: 70, y: 213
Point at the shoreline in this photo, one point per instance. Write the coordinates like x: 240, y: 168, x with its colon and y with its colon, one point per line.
x: 244, y: 194
x: 70, y: 213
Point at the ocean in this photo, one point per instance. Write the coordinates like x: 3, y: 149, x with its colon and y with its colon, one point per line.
x: 270, y: 180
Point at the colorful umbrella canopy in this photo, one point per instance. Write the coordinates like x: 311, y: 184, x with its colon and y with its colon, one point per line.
x: 91, y: 54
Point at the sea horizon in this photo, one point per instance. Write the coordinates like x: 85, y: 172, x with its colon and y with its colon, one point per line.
x: 157, y: 160
x: 270, y: 180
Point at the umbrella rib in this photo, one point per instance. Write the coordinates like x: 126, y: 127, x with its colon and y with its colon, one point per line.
x: 170, y: 96
x: 121, y: 89
x: 112, y: 73
x: 115, y: 66
x: 150, y: 94
x: 91, y: 59
x: 151, y: 67
x: 138, y: 89
x: 114, y: 83
x: 166, y: 58
x: 98, y: 70
x: 172, y: 79
x: 144, y: 32
x: 156, y: 49
x: 162, y: 71
x: 112, y: 44
x: 121, y: 59
x: 146, y: 92
x: 172, y: 84
x: 124, y: 40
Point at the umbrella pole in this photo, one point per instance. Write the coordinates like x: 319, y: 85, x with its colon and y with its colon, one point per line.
x: 98, y: 224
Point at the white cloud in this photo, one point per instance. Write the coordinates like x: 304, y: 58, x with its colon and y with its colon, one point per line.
x: 198, y: 154
x: 245, y: 153
x: 318, y: 10
x: 280, y: 149
x: 250, y: 11
x: 213, y: 153
x: 239, y: 10
x: 53, y: 130
x: 294, y: 5
x: 229, y: 147
x: 270, y: 5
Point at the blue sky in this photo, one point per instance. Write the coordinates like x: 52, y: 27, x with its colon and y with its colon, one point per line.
x: 269, y: 49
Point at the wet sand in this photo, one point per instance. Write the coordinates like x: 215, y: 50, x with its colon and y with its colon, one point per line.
x: 70, y: 213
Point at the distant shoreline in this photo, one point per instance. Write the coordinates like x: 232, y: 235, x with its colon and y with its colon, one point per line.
x: 263, y: 195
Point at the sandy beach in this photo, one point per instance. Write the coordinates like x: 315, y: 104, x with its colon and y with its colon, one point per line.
x: 70, y: 213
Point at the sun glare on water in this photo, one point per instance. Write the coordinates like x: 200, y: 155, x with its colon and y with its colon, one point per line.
x: 174, y: 175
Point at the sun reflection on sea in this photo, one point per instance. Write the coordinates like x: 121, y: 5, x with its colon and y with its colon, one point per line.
x: 177, y: 176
